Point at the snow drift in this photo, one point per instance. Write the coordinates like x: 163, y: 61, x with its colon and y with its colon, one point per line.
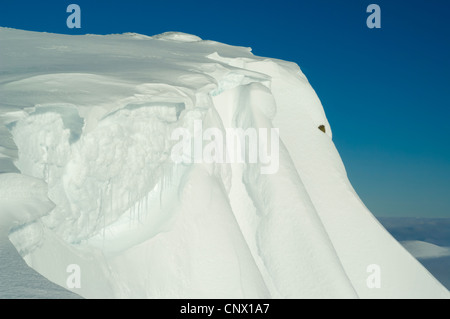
x: 89, y: 118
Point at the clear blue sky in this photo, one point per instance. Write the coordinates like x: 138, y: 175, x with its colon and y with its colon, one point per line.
x: 385, y: 91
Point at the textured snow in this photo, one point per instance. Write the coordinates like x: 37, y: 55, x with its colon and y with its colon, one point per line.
x: 85, y: 124
x: 23, y: 200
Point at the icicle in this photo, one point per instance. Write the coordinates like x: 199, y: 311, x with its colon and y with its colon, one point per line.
x: 160, y: 190
x: 112, y: 197
x: 130, y: 208
x: 139, y: 211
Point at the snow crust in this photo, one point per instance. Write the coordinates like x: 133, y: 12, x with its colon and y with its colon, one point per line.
x: 85, y: 125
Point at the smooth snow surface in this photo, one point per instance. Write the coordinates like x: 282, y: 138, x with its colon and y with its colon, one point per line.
x: 85, y: 126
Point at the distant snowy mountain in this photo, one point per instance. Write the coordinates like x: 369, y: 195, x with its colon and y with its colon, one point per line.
x: 424, y: 250
x: 427, y: 239
x: 91, y: 182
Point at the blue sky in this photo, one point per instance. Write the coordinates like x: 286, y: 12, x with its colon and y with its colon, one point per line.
x: 385, y: 91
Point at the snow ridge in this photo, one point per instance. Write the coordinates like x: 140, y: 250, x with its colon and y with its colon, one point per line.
x: 96, y: 135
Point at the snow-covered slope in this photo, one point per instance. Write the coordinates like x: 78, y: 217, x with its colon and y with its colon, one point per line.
x: 93, y: 116
x: 23, y: 200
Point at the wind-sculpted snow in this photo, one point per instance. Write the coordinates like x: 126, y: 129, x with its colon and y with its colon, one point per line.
x: 24, y: 200
x: 91, y: 119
